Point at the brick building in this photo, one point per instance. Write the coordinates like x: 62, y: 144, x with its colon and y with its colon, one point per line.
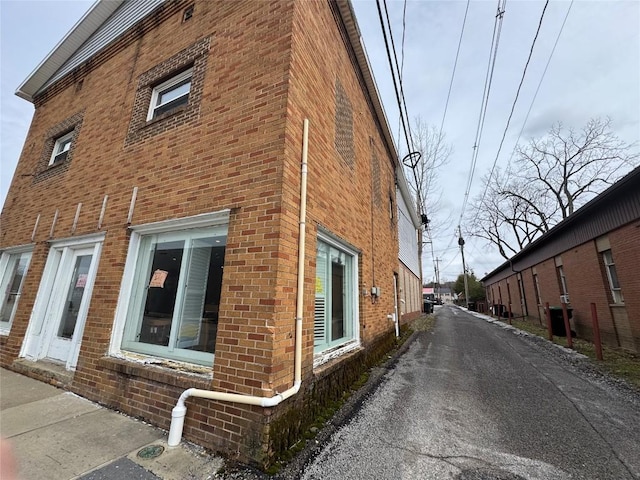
x: 206, y: 199
x: 593, y: 256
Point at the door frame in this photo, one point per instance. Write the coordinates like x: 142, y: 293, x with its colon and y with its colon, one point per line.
x: 40, y: 329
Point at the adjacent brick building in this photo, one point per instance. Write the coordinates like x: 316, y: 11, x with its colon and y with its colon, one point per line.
x: 197, y: 177
x: 593, y: 256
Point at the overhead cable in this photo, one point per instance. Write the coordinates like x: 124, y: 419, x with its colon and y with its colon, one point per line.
x: 495, y: 41
x: 515, y: 100
x: 393, y: 75
x: 535, y: 95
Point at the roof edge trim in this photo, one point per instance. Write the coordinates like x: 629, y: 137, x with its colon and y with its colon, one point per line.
x: 97, y: 14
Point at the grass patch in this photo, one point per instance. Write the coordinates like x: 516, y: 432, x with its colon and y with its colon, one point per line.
x: 424, y: 323
x: 618, y: 362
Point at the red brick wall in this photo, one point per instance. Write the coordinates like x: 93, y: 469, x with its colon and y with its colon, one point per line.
x: 587, y: 283
x: 625, y: 248
x: 269, y: 65
x: 340, y: 193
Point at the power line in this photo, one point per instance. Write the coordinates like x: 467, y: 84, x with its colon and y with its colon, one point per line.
x: 535, y: 95
x: 393, y: 75
x: 395, y: 57
x: 495, y: 41
x: 404, y: 26
x: 446, y: 105
x: 513, y: 107
x: 455, y: 64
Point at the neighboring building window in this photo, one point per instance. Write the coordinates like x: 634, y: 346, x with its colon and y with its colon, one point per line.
x: 170, y: 95
x: 61, y: 148
x: 13, y: 268
x: 612, y: 275
x: 564, y: 298
x: 536, y: 283
x: 175, y: 294
x: 336, y: 296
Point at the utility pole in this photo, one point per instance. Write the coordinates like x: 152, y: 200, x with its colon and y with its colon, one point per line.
x: 464, y: 267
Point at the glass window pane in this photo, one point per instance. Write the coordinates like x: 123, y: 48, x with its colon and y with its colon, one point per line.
x: 174, y: 92
x: 338, y: 292
x: 16, y: 271
x: 334, y: 316
x: 319, y: 327
x: 161, y: 292
x: 74, y: 296
x: 613, y: 275
x: 176, y: 296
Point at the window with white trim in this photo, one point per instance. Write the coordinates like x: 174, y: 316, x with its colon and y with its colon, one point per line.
x: 175, y: 294
x: 61, y: 148
x: 335, y: 320
x: 170, y: 95
x: 612, y: 276
x: 13, y: 269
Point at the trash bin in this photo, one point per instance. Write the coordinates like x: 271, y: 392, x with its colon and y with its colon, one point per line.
x: 472, y: 306
x: 557, y: 320
x: 427, y: 306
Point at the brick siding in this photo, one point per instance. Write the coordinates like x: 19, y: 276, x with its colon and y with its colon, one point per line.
x: 262, y: 68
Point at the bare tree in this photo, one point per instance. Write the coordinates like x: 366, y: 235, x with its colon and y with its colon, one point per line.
x: 551, y: 177
x: 430, y: 142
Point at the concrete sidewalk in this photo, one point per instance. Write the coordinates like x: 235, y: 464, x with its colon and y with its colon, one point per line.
x: 58, y: 435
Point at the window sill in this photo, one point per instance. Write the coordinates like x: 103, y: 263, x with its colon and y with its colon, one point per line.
x: 166, y: 115
x: 617, y: 305
x: 320, y: 359
x: 182, y: 375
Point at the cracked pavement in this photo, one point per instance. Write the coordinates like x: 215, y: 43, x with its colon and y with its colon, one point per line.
x: 472, y: 401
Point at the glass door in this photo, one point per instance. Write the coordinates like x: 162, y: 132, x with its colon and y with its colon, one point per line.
x: 65, y: 316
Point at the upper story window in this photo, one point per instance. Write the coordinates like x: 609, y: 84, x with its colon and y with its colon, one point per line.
x: 170, y: 95
x: 61, y: 148
x: 612, y: 275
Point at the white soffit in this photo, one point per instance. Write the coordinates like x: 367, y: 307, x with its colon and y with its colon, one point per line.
x: 102, y: 24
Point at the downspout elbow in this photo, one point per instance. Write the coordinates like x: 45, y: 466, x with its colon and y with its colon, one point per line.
x: 177, y: 418
x: 280, y: 397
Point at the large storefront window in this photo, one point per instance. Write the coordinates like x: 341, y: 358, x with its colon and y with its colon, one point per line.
x: 173, y: 312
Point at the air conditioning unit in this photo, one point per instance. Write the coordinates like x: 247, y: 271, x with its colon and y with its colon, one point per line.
x: 564, y: 298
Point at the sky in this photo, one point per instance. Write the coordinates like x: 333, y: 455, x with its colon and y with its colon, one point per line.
x: 593, y: 72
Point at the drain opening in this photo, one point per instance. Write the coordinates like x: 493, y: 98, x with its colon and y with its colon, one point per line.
x: 151, y: 451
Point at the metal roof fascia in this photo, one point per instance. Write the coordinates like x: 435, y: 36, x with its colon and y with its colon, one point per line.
x: 97, y: 14
x: 349, y: 19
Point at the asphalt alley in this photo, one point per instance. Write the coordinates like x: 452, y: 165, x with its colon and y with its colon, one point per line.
x: 470, y: 400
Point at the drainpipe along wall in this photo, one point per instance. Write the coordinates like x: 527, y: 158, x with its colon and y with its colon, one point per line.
x: 180, y: 410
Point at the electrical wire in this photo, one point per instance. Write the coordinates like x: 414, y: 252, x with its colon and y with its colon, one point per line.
x: 515, y: 100
x: 535, y: 95
x: 395, y: 57
x: 455, y: 64
x: 446, y: 105
x: 495, y: 41
x: 393, y: 75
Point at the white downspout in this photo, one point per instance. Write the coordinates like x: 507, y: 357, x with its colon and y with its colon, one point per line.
x: 396, y: 316
x: 180, y: 410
